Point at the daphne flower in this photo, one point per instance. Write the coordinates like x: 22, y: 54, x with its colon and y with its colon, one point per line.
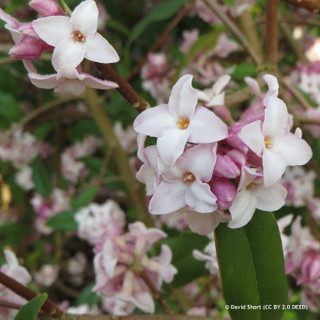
x: 252, y: 194
x: 272, y: 139
x: 185, y: 183
x: 69, y: 81
x: 75, y: 38
x: 180, y: 121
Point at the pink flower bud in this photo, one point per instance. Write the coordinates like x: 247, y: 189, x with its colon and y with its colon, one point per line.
x: 46, y: 7
x: 224, y: 190
x: 225, y: 167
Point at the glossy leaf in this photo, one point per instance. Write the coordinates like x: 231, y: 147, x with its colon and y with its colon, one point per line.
x: 31, y: 309
x: 41, y: 178
x: 63, y: 222
x: 252, y: 268
x: 85, y: 197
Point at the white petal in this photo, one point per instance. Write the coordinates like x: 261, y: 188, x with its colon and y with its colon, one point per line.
x: 200, y: 160
x: 271, y: 198
x: 200, y: 198
x: 242, y: 209
x: 168, y: 197
x: 251, y: 135
x: 276, y: 118
x: 53, y: 29
x: 68, y: 53
x: 220, y: 84
x: 84, y: 18
x: 171, y: 144
x: 44, y: 81
x: 183, y: 98
x: 96, y: 83
x: 98, y: 49
x: 152, y: 121
x: 273, y: 167
x: 206, y: 127
x: 74, y: 87
x: 294, y: 151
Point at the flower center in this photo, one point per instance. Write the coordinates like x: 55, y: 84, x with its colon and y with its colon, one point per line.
x: 188, y: 177
x: 268, y: 143
x: 78, y: 36
x: 183, y: 123
x: 251, y: 186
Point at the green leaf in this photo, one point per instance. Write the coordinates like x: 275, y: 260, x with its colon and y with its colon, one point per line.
x: 188, y: 267
x: 43, y: 130
x: 87, y: 296
x: 9, y: 110
x: 31, y: 309
x: 41, y: 177
x: 85, y: 197
x: 63, y: 222
x: 206, y: 42
x: 243, y: 70
x: 161, y: 12
x: 252, y: 268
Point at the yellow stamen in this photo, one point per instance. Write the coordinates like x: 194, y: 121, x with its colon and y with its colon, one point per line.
x: 188, y: 177
x: 183, y: 123
x: 251, y: 186
x: 268, y: 143
x: 78, y: 36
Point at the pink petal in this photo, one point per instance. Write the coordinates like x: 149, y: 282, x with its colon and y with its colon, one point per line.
x: 276, y: 118
x: 171, y: 144
x: 199, y: 197
x: 84, y: 18
x: 293, y: 150
x: 251, y: 135
x: 96, y: 83
x: 152, y: 121
x: 272, y: 198
x: 242, y: 209
x: 206, y: 127
x: 52, y: 29
x: 183, y: 98
x: 98, y: 49
x: 168, y: 197
x: 273, y: 167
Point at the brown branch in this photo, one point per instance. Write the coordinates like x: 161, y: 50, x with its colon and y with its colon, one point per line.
x: 272, y: 32
x: 124, y: 89
x: 155, y: 292
x: 214, y: 6
x: 312, y: 5
x: 162, y: 38
x: 49, y: 307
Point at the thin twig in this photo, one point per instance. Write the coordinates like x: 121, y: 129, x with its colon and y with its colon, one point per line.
x: 311, y: 5
x: 214, y: 6
x: 49, y: 307
x: 124, y: 89
x: 272, y: 32
x: 155, y: 292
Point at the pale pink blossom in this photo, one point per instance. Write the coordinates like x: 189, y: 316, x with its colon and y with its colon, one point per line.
x: 272, y: 140
x: 46, y: 7
x: 121, y: 283
x: 179, y: 122
x: 47, y: 275
x: 69, y: 81
x: 224, y: 46
x: 188, y: 39
x: 47, y: 208
x: 24, y: 178
x: 95, y: 221
x: 126, y: 136
x: 83, y: 309
x: 253, y: 194
x: 75, y: 38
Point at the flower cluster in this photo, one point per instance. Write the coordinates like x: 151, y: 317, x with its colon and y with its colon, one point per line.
x: 201, y: 168
x: 121, y: 262
x: 71, y: 38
